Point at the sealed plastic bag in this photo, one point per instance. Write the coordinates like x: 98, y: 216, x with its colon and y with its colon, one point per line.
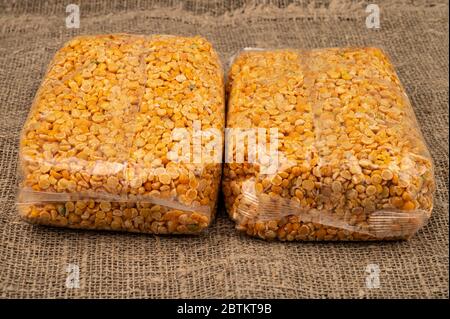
x: 98, y: 149
x: 323, y: 145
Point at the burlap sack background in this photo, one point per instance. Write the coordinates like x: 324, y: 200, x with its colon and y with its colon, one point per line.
x: 221, y: 263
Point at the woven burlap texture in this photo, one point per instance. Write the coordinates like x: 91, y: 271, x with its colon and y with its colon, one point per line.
x: 221, y: 263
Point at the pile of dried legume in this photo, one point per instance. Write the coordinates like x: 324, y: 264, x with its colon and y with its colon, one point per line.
x: 352, y: 162
x: 94, y: 150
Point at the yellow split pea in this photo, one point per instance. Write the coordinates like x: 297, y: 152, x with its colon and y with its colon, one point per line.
x: 352, y: 162
x: 100, y: 131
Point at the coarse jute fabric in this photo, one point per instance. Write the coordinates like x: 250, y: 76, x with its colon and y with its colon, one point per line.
x: 222, y: 263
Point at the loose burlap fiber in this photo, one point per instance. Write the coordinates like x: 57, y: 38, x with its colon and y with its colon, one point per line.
x: 222, y: 263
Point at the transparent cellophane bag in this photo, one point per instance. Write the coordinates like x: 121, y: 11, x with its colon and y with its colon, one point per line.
x: 98, y: 151
x: 349, y: 161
